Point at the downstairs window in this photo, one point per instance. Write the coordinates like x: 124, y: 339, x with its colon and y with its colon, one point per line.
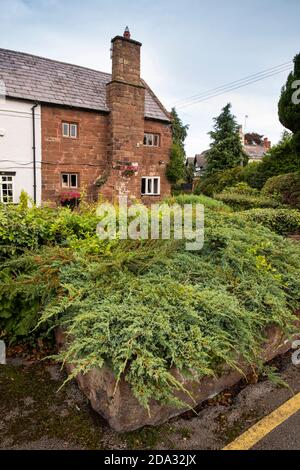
x: 150, y: 186
x: 6, y: 188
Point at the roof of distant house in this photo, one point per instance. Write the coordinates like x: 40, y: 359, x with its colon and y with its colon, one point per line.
x: 190, y: 161
x: 255, y: 151
x: 201, y: 159
x: 44, y: 80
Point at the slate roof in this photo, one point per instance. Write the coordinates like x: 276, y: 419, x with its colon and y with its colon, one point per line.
x: 201, y: 160
x: 255, y: 151
x: 49, y: 81
x: 190, y: 161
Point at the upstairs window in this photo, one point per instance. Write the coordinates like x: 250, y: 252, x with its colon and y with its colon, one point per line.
x: 6, y: 189
x: 69, y: 180
x: 150, y: 186
x: 70, y: 130
x: 151, y: 140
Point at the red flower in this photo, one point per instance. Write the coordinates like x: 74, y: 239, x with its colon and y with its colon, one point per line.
x: 69, y: 195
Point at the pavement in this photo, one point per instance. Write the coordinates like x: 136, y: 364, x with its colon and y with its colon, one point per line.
x: 34, y: 414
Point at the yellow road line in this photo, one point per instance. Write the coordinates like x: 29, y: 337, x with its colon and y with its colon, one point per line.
x: 266, y: 425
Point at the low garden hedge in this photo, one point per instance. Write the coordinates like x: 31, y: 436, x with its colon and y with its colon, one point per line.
x: 207, y: 202
x: 281, y: 221
x: 240, y: 202
x: 143, y: 307
x: 286, y: 187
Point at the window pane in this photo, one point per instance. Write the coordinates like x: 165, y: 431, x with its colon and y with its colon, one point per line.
x: 143, y: 189
x: 73, y: 130
x: 150, y: 140
x: 145, y: 139
x: 65, y: 181
x: 155, y: 185
x: 66, y: 129
x: 156, y: 140
x: 73, y: 182
x: 6, y: 189
x: 149, y: 186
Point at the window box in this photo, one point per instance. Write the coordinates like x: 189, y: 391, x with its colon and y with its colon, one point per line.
x: 70, y: 198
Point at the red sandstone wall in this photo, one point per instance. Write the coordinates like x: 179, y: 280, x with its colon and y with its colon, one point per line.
x: 155, y: 159
x: 152, y: 161
x: 86, y: 155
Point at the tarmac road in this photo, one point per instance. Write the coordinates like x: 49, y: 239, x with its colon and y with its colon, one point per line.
x: 285, y: 437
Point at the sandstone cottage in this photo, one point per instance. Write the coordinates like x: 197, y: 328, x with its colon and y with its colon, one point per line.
x: 64, y: 127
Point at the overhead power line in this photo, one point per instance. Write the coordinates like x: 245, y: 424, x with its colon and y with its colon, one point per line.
x: 235, y: 85
x: 255, y: 75
x: 204, y: 98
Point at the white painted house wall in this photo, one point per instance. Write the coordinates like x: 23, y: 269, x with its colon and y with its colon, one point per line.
x: 16, y: 141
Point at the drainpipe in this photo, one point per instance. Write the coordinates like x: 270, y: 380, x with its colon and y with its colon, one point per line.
x: 34, y: 151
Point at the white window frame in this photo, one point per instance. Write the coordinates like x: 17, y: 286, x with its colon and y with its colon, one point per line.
x: 75, y: 127
x: 12, y: 182
x: 68, y: 185
x: 151, y: 180
x: 70, y: 125
x: 148, y: 136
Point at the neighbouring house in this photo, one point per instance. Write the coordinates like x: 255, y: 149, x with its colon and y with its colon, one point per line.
x: 199, y: 162
x: 257, y: 152
x: 65, y: 128
x: 254, y: 149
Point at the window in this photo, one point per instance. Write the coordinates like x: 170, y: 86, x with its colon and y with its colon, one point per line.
x: 70, y: 130
x: 6, y: 189
x: 150, y: 186
x: 151, y: 140
x: 69, y: 180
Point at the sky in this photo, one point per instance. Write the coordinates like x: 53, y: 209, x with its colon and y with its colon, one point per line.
x: 189, y: 47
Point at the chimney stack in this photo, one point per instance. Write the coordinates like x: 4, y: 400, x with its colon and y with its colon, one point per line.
x: 241, y: 134
x: 125, y: 96
x: 267, y: 143
x: 126, y: 59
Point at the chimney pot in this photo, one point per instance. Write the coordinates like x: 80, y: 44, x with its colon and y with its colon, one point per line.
x: 127, y: 34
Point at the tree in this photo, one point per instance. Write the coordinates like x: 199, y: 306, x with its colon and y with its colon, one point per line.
x: 289, y: 104
x: 252, y: 138
x: 226, y: 150
x: 279, y: 160
x: 176, y: 168
x: 189, y: 173
x: 179, y: 130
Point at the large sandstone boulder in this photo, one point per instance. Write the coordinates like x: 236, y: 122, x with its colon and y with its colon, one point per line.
x: 122, y: 410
